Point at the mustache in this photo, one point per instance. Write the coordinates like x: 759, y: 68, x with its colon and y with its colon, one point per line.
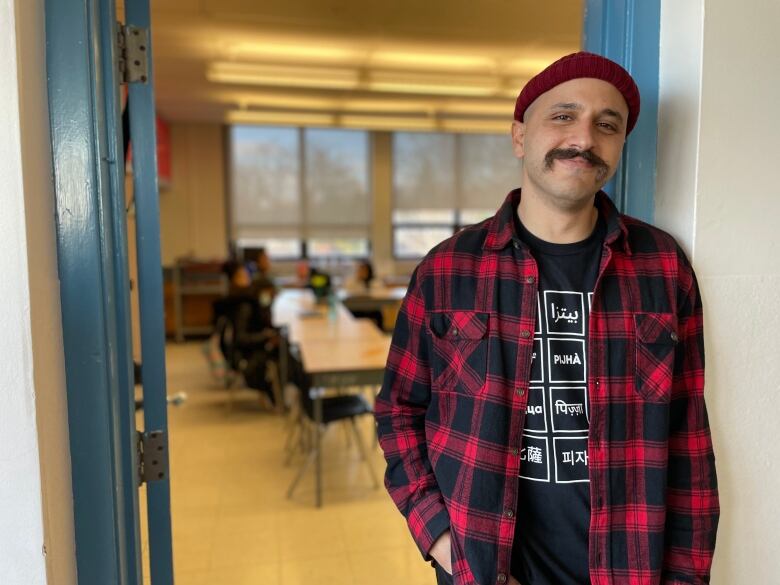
x: 569, y: 153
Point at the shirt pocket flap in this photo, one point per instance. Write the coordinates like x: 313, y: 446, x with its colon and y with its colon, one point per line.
x: 656, y: 328
x: 459, y: 325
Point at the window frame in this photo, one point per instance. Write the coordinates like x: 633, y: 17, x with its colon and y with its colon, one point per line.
x: 305, y: 228
x: 458, y: 223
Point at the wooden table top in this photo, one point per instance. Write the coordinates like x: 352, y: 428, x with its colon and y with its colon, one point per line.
x: 293, y: 305
x: 333, y: 330
x: 356, y: 355
x: 393, y: 293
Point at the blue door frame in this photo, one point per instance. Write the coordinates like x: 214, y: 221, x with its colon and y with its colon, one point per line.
x: 628, y: 32
x: 88, y: 164
x: 95, y: 307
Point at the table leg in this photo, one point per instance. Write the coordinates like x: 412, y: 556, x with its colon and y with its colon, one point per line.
x: 317, y: 445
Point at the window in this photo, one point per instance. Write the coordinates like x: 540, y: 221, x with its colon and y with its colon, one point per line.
x: 300, y: 192
x: 442, y: 182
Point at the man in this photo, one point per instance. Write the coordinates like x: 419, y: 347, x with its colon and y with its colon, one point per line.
x: 542, y: 413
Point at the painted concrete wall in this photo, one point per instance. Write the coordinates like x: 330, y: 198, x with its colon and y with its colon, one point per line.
x: 193, y: 208
x: 36, y: 512
x: 718, y: 192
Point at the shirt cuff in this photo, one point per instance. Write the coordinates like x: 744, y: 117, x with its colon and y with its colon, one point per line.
x: 428, y: 520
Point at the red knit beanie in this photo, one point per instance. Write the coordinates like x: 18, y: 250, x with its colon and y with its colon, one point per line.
x: 575, y: 66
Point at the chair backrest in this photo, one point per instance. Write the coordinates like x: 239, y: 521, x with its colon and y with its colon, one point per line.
x: 226, y: 331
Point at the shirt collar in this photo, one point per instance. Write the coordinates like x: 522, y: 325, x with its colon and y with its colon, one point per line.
x: 501, y: 227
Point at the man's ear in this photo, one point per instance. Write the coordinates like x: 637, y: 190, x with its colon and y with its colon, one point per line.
x: 518, y: 138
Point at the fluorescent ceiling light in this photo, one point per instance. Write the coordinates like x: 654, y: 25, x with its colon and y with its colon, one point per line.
x: 386, y: 122
x: 443, y: 84
x: 477, y: 126
x: 418, y: 82
x: 368, y: 105
x: 430, y: 60
x: 295, y: 51
x: 386, y: 105
x: 502, y: 108
x: 283, y: 75
x: 279, y: 118
x: 406, y: 87
x: 302, y: 102
x: 282, y: 101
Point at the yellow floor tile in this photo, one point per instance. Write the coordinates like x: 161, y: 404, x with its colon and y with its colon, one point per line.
x: 232, y: 522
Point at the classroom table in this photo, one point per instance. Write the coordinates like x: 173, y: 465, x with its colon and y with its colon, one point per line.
x: 337, y: 350
x: 372, y: 299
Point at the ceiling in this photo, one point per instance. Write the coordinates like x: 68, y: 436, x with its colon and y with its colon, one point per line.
x: 433, y: 64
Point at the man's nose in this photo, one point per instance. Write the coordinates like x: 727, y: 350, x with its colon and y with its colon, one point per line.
x: 582, y: 136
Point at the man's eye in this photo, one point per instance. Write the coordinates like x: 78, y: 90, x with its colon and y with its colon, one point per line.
x: 562, y: 117
x: 608, y: 126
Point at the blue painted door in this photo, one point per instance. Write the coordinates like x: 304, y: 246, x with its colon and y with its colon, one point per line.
x: 91, y: 219
x: 147, y: 216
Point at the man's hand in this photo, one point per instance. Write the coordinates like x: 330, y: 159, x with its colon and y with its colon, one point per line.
x: 441, y: 551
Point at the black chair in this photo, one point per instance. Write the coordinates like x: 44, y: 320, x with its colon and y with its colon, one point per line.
x: 316, y: 413
x: 248, y: 348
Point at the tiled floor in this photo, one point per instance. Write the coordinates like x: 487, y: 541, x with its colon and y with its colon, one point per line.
x: 232, y: 523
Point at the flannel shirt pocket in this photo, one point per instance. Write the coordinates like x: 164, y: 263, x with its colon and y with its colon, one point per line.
x: 460, y: 348
x: 656, y: 341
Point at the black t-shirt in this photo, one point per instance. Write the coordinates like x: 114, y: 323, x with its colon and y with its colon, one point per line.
x: 553, y: 512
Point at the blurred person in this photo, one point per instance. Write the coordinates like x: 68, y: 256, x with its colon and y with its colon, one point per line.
x: 542, y: 413
x: 362, y: 277
x: 359, y: 283
x: 248, y: 309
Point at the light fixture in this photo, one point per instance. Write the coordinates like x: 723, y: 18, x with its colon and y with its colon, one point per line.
x: 387, y: 123
x: 292, y: 50
x: 435, y: 83
x: 432, y: 83
x: 477, y: 126
x: 258, y: 117
x: 382, y: 123
x: 495, y: 108
x: 283, y: 75
x: 423, y: 60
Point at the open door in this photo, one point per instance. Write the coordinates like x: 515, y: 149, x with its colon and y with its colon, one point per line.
x: 89, y: 56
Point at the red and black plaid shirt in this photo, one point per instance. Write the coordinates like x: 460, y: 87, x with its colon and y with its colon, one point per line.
x: 451, y: 410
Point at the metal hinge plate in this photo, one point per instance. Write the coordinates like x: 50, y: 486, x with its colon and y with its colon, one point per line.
x: 152, y: 456
x: 133, y: 51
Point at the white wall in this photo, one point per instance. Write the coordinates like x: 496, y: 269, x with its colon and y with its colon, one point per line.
x: 718, y: 193
x: 36, y: 512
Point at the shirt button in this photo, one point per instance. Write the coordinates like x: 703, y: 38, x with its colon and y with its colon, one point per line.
x: 516, y: 244
x: 520, y: 391
x: 509, y: 513
x: 674, y: 337
x: 455, y: 332
x: 501, y: 578
x: 515, y: 451
x: 525, y: 334
x: 530, y: 279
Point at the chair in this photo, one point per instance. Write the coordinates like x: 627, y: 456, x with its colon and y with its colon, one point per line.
x: 248, y: 353
x: 317, y: 412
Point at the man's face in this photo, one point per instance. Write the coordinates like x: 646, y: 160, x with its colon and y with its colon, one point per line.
x: 571, y: 141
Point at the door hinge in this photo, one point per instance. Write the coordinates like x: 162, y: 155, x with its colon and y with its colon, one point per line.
x: 152, y: 451
x: 132, y: 53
